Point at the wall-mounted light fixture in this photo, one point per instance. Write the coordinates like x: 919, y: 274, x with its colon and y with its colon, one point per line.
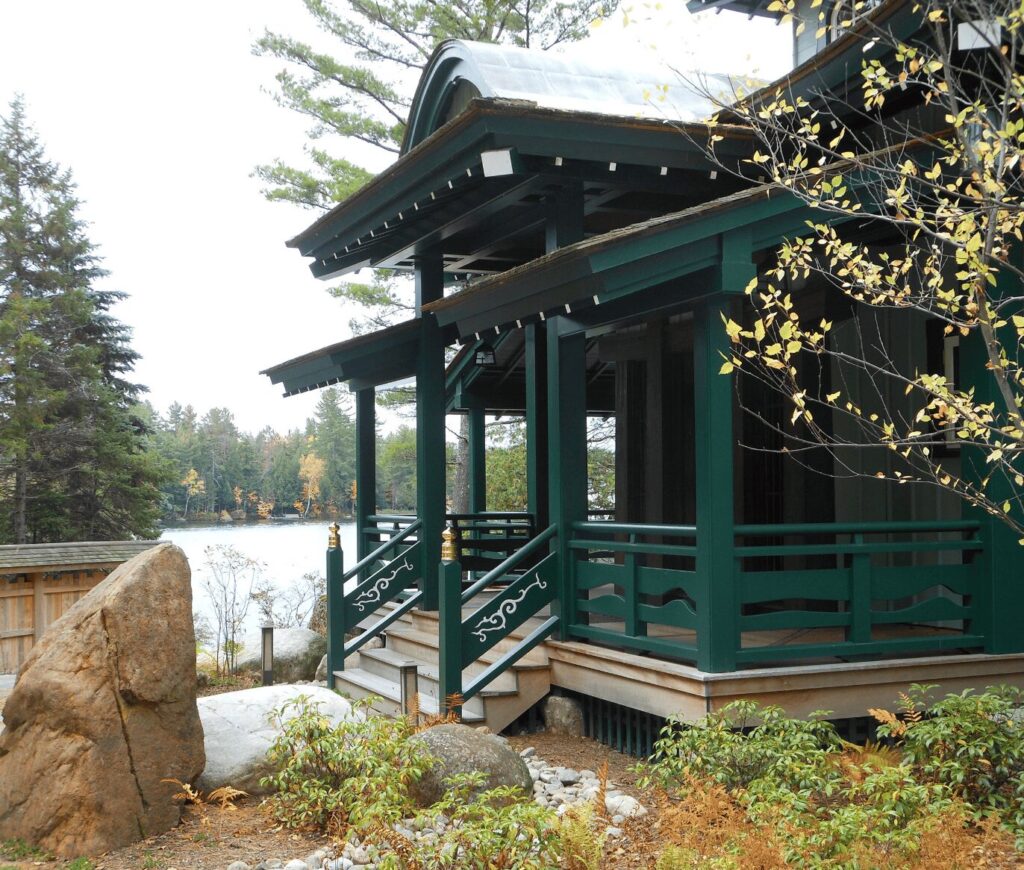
x: 268, y: 654
x: 484, y: 355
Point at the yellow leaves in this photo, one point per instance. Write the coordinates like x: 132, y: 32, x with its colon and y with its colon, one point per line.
x: 831, y: 397
x: 727, y: 368
x: 733, y: 329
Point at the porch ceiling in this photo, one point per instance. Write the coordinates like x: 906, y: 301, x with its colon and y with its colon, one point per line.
x: 606, y: 269
x: 438, y: 196
x: 375, y: 358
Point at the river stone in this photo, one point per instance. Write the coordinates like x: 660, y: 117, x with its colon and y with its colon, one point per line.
x: 104, y: 709
x: 239, y: 731
x: 563, y: 716
x: 461, y: 749
x: 297, y: 652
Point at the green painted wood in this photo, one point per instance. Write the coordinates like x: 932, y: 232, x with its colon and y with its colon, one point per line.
x: 654, y: 529
x: 335, y: 613
x: 450, y: 652
x: 630, y: 547
x: 383, y: 585
x: 590, y: 575
x: 860, y: 595
x: 757, y: 586
x: 783, y: 619
x: 536, y: 366
x: 933, y: 610
x: 667, y: 648
x: 382, y: 624
x: 508, y: 610
x: 659, y: 581
x: 913, y: 580
x: 676, y: 613
x: 632, y: 623
x: 867, y: 528
x: 366, y: 465
x: 717, y: 628
x: 605, y: 605
x: 430, y: 426
x: 894, y: 648
x: 519, y: 557
x: 842, y: 548
x: 477, y: 461
x: 567, y: 454
x: 541, y: 633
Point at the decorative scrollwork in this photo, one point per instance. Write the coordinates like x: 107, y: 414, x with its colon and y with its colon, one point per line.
x: 374, y: 593
x: 499, y: 619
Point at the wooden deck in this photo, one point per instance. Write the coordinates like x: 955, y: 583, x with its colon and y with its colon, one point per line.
x: 846, y: 688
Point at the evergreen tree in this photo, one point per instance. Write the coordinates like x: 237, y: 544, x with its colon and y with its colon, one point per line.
x: 73, y: 453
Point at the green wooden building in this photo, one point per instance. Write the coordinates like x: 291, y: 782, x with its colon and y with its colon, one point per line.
x: 574, y: 254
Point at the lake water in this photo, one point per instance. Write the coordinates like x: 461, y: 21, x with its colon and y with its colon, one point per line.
x: 287, y: 549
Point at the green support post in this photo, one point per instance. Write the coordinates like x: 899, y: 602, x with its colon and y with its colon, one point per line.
x: 567, y: 457
x: 335, y: 606
x: 717, y: 608
x: 366, y: 466
x: 477, y: 461
x: 1000, y: 601
x: 536, y: 362
x: 430, y: 431
x: 449, y: 632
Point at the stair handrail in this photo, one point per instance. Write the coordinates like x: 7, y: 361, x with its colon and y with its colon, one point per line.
x: 511, y: 562
x: 383, y: 548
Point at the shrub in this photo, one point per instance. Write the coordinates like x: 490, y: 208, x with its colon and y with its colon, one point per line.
x: 332, y: 776
x: 971, y: 743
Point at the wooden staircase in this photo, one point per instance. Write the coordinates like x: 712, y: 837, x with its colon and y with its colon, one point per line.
x: 414, y: 639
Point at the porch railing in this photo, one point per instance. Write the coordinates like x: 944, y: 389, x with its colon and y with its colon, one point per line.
x: 619, y: 597
x: 849, y: 576
x: 807, y: 591
x: 463, y: 640
x: 378, y: 578
x: 485, y: 540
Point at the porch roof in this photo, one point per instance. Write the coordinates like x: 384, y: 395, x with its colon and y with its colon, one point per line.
x: 364, y: 361
x: 607, y: 268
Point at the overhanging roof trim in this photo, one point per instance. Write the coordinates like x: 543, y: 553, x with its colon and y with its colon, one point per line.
x: 388, y: 353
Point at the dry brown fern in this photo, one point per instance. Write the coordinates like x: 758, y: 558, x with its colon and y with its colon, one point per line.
x: 451, y: 715
x: 383, y: 834
x: 601, y: 799
x: 224, y: 796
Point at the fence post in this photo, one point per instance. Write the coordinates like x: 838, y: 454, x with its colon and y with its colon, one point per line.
x: 450, y: 624
x: 860, y: 594
x: 335, y: 606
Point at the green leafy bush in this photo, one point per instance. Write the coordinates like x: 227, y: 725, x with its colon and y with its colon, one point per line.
x: 971, y: 743
x: 332, y: 776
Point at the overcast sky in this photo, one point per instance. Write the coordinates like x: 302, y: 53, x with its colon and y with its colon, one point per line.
x: 161, y: 113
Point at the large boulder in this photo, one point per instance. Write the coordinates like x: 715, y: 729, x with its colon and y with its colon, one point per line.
x: 297, y: 652
x: 563, y: 716
x: 461, y: 749
x: 239, y: 729
x: 103, y: 711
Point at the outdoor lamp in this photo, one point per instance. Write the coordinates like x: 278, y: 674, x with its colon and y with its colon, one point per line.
x: 484, y: 355
x: 408, y: 680
x: 268, y: 654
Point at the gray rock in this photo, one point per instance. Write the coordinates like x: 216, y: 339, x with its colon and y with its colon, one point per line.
x: 238, y: 865
x: 567, y: 775
x: 563, y: 716
x: 297, y: 652
x: 624, y: 805
x: 238, y: 731
x: 296, y: 864
x: 321, y: 670
x: 460, y: 749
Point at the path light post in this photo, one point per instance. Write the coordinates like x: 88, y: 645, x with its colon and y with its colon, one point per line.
x: 450, y: 624
x: 267, y: 654
x: 408, y: 681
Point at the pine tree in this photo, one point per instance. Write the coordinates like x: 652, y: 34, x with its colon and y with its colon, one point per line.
x: 73, y: 458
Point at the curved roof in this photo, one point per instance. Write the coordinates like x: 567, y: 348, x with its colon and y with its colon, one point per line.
x: 460, y: 71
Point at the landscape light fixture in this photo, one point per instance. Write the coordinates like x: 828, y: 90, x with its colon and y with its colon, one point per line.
x: 268, y: 654
x: 484, y: 355
x: 408, y: 681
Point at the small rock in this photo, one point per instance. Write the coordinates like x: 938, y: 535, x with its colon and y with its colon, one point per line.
x: 563, y: 716
x: 567, y: 775
x: 529, y: 752
x: 238, y: 865
x: 296, y: 864
x: 613, y: 832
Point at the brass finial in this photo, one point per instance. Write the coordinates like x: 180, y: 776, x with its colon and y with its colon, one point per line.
x: 334, y: 538
x: 448, y: 551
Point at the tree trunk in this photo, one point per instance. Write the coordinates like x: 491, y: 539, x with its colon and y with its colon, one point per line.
x: 21, y: 503
x: 460, y: 486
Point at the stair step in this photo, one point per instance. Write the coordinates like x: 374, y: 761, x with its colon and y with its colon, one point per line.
x: 366, y: 683
x: 417, y: 638
x: 386, y: 662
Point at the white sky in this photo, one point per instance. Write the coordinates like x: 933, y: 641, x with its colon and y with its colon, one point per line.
x: 161, y: 113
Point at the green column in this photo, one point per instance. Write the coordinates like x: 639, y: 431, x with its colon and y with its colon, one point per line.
x: 567, y: 454
x: 717, y: 614
x: 449, y: 633
x: 477, y: 461
x: 1000, y: 602
x: 430, y: 441
x: 536, y: 361
x: 366, y: 466
x: 335, y: 609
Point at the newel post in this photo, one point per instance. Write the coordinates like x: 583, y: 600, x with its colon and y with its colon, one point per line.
x: 450, y: 624
x: 335, y: 606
